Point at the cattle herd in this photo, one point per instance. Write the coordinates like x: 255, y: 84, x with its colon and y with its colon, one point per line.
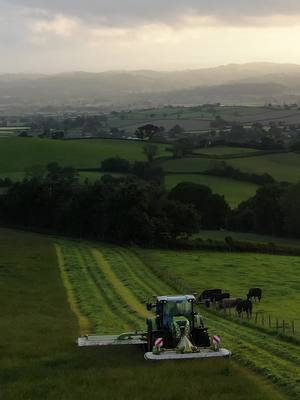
x: 223, y: 300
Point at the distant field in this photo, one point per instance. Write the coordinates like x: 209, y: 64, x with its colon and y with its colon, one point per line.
x: 234, y: 191
x: 39, y: 359
x: 225, y: 150
x: 247, y: 237
x: 283, y: 167
x: 18, y: 153
x: 188, y: 165
x: 12, y: 131
x: 187, y: 124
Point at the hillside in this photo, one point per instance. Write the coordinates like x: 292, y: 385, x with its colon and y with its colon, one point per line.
x: 247, y: 83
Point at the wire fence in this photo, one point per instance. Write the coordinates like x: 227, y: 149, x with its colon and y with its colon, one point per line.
x: 268, y: 321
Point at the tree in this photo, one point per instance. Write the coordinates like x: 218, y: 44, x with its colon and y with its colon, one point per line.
x: 212, y: 208
x: 147, y: 131
x: 148, y: 172
x: 291, y: 210
x: 182, y: 147
x: 150, y: 150
x: 177, y: 130
x: 115, y: 164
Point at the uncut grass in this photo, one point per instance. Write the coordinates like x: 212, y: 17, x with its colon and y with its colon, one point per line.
x: 278, y: 276
x: 40, y: 361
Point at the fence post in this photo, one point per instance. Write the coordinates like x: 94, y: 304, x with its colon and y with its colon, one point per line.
x: 293, y: 327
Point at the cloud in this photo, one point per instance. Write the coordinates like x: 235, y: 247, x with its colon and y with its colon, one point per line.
x: 127, y: 12
x: 59, y: 25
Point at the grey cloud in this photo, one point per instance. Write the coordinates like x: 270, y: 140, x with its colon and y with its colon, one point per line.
x: 116, y: 12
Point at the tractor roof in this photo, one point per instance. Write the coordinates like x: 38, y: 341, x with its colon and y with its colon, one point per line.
x: 187, y: 297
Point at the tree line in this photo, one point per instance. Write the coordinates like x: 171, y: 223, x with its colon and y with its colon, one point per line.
x: 138, y: 208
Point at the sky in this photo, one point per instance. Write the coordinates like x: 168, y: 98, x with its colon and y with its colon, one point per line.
x: 51, y: 36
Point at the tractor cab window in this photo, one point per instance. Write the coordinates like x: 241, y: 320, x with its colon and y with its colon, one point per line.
x: 177, y: 308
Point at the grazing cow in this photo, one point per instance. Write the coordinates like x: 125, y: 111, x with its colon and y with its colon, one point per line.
x: 255, y: 293
x: 244, y: 306
x: 209, y: 294
x: 221, y: 296
x: 229, y: 303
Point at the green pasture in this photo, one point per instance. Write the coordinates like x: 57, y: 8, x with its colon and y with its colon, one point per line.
x: 225, y: 150
x: 283, y: 167
x: 278, y: 276
x: 188, y: 165
x: 39, y: 359
x: 16, y: 154
x: 234, y: 191
x: 245, y: 237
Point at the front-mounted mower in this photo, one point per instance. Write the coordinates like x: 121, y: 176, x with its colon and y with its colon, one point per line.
x: 176, y: 331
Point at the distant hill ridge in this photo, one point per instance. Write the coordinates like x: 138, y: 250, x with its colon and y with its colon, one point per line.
x: 228, y: 83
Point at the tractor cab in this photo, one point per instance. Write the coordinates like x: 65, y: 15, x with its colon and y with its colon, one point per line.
x: 175, y: 318
x: 179, y: 308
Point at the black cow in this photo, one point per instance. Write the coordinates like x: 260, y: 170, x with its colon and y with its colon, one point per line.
x: 255, y: 293
x: 209, y: 294
x: 221, y: 296
x: 244, y: 306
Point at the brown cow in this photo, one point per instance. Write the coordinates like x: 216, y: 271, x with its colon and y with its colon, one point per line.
x: 229, y: 303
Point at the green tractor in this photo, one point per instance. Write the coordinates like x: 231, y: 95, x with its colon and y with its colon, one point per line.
x: 175, y: 318
x: 175, y: 332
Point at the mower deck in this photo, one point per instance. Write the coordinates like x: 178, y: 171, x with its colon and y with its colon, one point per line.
x: 108, y: 340
x: 172, y: 355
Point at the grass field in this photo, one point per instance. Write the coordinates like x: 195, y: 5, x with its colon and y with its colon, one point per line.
x: 225, y: 150
x: 16, y: 154
x: 283, y: 167
x: 135, y: 270
x: 247, y: 237
x: 234, y: 191
x: 39, y: 359
x: 278, y: 276
x: 186, y: 165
